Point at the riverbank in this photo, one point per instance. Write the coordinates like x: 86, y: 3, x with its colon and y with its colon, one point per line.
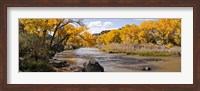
x: 141, y: 49
x: 116, y: 62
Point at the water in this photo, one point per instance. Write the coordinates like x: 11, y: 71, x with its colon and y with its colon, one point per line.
x: 122, y: 62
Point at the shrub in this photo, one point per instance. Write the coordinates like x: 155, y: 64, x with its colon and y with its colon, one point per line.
x: 140, y: 49
x: 37, y: 66
x: 169, y: 45
x: 34, y: 46
x: 34, y: 53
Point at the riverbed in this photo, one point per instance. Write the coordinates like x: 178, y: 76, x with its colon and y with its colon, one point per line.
x: 122, y: 62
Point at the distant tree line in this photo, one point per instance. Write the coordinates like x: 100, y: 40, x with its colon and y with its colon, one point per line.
x: 161, y: 32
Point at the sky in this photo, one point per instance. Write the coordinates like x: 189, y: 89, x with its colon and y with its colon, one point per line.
x: 100, y: 24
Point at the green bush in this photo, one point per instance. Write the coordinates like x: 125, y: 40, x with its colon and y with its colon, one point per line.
x: 37, y: 66
x: 34, y: 46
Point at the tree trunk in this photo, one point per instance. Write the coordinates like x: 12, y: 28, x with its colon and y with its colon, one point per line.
x: 56, y: 29
x: 66, y: 36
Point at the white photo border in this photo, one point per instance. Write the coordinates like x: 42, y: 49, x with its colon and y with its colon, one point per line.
x: 183, y: 77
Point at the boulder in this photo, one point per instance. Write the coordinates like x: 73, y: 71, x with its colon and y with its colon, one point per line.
x: 92, y: 66
x: 146, y: 68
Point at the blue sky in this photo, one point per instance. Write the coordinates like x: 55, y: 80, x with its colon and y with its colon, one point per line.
x: 100, y: 24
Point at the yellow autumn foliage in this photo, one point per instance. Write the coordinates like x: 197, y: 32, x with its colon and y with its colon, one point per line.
x: 162, y: 31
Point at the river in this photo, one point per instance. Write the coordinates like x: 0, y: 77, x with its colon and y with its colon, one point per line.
x: 122, y: 62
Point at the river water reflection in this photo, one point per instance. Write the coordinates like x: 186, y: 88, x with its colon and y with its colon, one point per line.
x: 125, y: 63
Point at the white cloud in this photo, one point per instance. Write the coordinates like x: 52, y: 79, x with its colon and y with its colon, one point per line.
x: 95, y: 24
x: 99, y: 26
x: 107, y: 24
x: 99, y: 30
x: 144, y: 19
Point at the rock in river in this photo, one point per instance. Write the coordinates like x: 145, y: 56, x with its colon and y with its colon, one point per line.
x: 92, y: 66
x: 146, y: 68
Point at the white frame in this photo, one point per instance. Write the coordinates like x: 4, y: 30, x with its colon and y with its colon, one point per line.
x: 183, y: 77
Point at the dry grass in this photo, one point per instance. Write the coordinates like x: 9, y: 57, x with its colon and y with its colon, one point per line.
x: 141, y: 49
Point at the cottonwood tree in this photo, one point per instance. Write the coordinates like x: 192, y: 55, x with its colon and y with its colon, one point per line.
x: 162, y: 32
x: 61, y: 29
